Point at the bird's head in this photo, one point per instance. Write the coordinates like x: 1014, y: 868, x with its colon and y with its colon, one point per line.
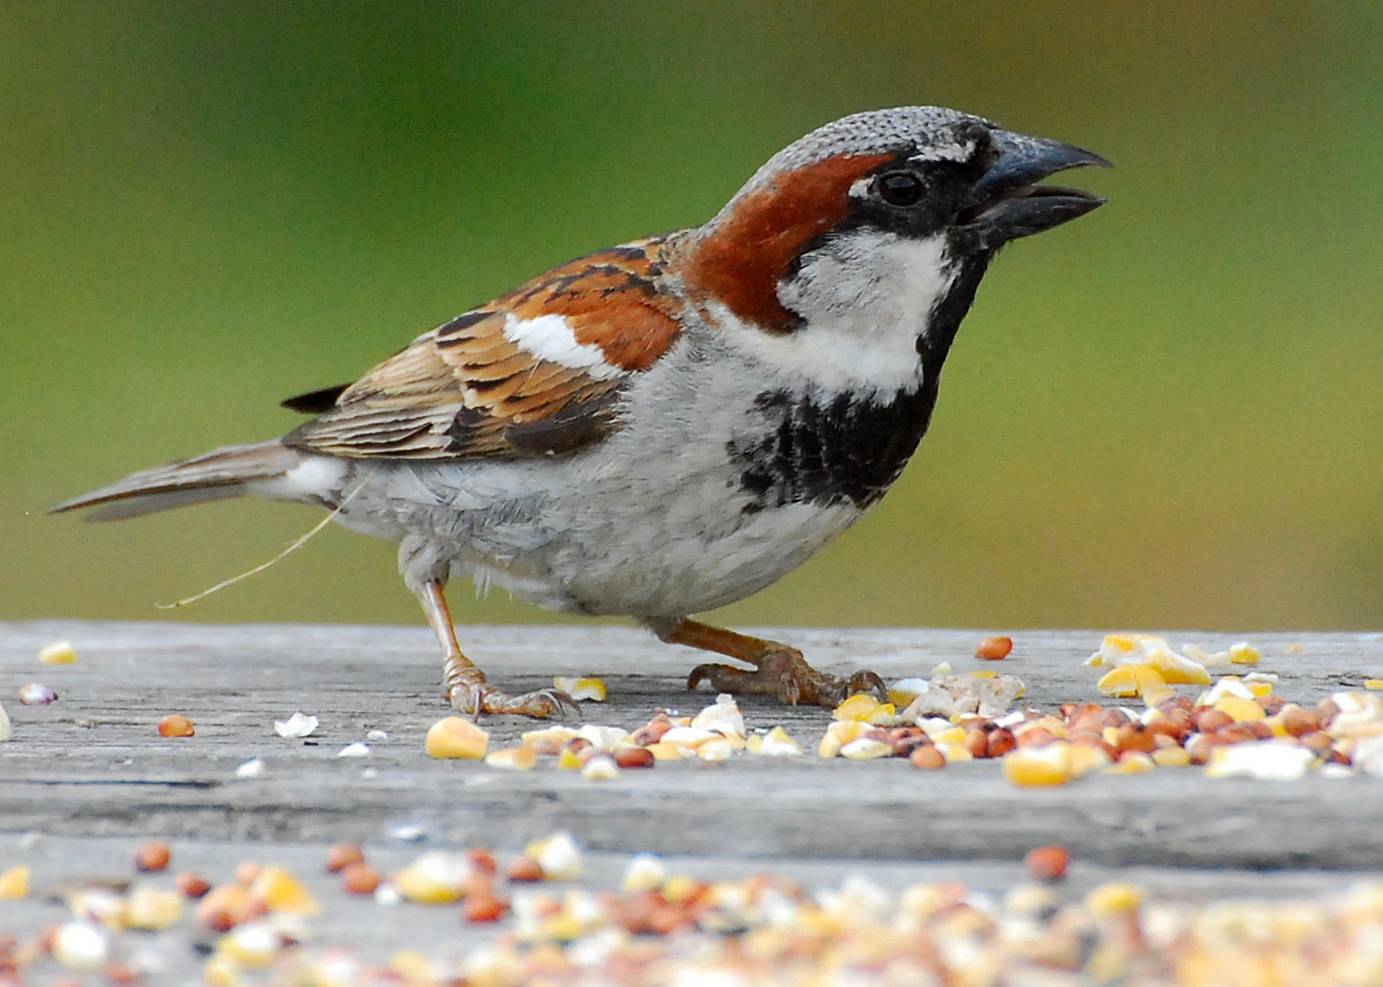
x: 879, y: 216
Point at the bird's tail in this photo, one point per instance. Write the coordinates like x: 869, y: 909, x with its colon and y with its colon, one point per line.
x: 215, y: 475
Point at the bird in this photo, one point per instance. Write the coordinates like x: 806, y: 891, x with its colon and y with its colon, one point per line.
x: 669, y: 425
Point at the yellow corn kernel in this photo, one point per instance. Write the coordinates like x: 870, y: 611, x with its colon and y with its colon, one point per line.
x: 954, y: 753
x: 1243, y: 654
x: 866, y: 749
x: 1373, y: 685
x: 662, y: 752
x: 716, y: 749
x: 151, y: 908
x: 776, y: 743
x: 864, y: 708
x: 252, y: 946
x: 1240, y: 710
x: 282, y: 892
x: 220, y: 971
x: 585, y: 687
x: 522, y: 758
x: 840, y: 733
x: 1114, y: 899
x: 435, y: 878
x: 569, y: 760
x: 14, y: 883
x: 1131, y: 764
x: 1119, y: 682
x: 984, y: 673
x: 456, y: 737
x: 1039, y: 766
x: 1083, y: 759
x: 1171, y: 757
x: 58, y: 653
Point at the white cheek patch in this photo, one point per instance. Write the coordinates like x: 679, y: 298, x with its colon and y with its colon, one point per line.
x: 549, y: 337
x: 864, y: 301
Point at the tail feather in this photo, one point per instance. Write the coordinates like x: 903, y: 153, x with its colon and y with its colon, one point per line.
x: 214, y: 475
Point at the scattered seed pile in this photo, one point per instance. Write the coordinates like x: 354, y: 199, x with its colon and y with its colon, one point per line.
x: 660, y: 927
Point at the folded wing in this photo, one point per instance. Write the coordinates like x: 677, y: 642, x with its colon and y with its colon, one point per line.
x: 536, y: 372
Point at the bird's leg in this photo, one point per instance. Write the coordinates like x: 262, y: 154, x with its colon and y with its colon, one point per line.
x: 779, y: 670
x: 463, y: 683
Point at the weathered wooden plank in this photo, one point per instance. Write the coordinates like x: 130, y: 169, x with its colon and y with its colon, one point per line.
x: 92, y: 764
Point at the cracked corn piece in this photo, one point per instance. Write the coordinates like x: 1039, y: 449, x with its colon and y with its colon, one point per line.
x: 864, y: 708
x: 282, y: 892
x: 521, y: 758
x: 14, y: 883
x: 1039, y: 766
x: 456, y: 737
x: 581, y: 688
x: 776, y: 743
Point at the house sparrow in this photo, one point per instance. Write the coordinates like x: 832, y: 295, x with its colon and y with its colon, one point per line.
x: 670, y: 425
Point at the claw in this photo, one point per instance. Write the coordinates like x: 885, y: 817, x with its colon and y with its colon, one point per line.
x: 473, y: 699
x: 786, y: 675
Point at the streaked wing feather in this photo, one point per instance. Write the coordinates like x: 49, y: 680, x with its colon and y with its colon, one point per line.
x: 468, y: 389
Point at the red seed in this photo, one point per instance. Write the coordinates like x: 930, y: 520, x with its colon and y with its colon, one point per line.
x: 483, y: 861
x: 359, y: 878
x: 627, y: 756
x: 342, y: 855
x: 176, y: 725
x: 1048, y: 863
x: 525, y: 869
x: 192, y: 885
x: 153, y: 857
x: 1000, y: 742
x: 994, y: 648
x: 119, y: 973
x: 484, y: 907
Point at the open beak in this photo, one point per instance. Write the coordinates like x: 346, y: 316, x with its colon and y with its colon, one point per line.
x: 1006, y: 203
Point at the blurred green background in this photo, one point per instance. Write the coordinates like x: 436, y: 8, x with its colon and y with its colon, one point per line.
x: 1169, y: 413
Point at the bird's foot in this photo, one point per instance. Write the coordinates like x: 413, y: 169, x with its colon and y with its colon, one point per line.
x: 473, y: 697
x: 785, y: 673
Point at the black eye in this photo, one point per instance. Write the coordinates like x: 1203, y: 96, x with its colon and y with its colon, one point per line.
x: 900, y: 188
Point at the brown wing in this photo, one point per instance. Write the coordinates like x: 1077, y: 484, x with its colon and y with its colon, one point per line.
x: 536, y: 372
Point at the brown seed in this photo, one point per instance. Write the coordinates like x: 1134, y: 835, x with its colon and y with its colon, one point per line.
x: 1209, y: 720
x: 342, y: 855
x: 1035, y: 737
x: 904, y: 745
x: 994, y: 648
x: 359, y: 878
x: 1316, y: 741
x: 153, y: 857
x: 1272, y: 705
x: 192, y: 885
x: 1048, y: 863
x: 628, y: 756
x: 1297, y: 721
x: 927, y: 758
x: 525, y: 869
x: 1135, y: 737
x: 176, y: 725
x: 483, y: 861
x: 976, y: 743
x: 653, y: 731
x: 484, y: 907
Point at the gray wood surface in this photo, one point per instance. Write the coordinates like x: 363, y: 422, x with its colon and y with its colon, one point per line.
x: 90, y: 774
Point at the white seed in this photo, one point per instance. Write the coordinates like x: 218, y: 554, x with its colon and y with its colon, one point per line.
x: 295, y: 726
